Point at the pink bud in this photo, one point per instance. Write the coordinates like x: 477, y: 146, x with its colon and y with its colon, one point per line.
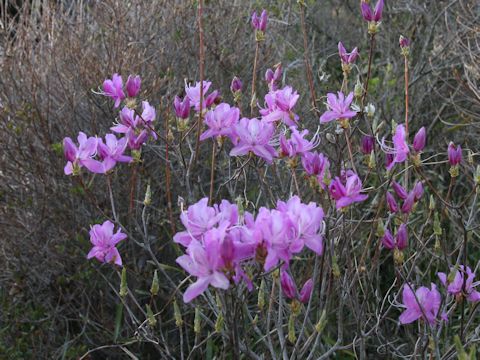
x: 408, y: 203
x: 387, y: 240
x: 236, y: 85
x: 306, y: 291
x: 404, y: 42
x: 419, y: 140
x: 367, y: 144
x: 454, y: 154
x: 133, y: 85
x: 392, y: 203
x: 263, y: 21
x: 418, y: 190
x: 288, y: 285
x: 182, y: 108
x: 402, y: 237
x: 399, y: 190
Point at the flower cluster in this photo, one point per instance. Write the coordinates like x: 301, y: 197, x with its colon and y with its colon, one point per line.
x: 220, y: 242
x: 409, y: 198
x: 347, y: 189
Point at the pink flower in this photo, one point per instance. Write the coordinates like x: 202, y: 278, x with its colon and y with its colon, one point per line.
x: 127, y: 120
x: 279, y: 105
x: 399, y: 190
x: 254, y: 136
x: 110, y: 152
x: 306, y: 291
x: 349, y: 193
x: 368, y: 14
x: 104, y: 241
x: 288, y: 285
x: 260, y: 22
x: 423, y: 304
x: 419, y: 140
x: 392, y: 203
x: 221, y: 122
x: 114, y: 89
x: 454, y: 154
x: 182, y: 108
x: 400, y: 241
x: 193, y: 94
x: 316, y: 164
x: 133, y: 85
x: 339, y: 107
x: 347, y: 58
x: 77, y: 156
x: 271, y: 77
x: 456, y: 287
x: 400, y: 148
x: 297, y: 144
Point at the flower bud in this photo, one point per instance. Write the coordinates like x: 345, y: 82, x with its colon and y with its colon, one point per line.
x: 437, y: 226
x: 123, y: 283
x: 358, y: 90
x: 177, y: 314
x: 133, y: 85
x: 399, y: 190
x: 371, y: 160
x: 398, y: 257
x: 151, y: 317
x: 269, y: 76
x: 419, y: 140
x: 148, y: 196
x: 291, y: 329
x: 259, y: 23
x: 401, y: 238
x: 367, y: 144
x: 392, y: 203
x: 322, y: 322
x: 418, y: 190
x: 155, y: 286
x: 408, y: 203
x: 236, y: 85
x: 431, y: 203
x: 370, y: 110
x: 261, y: 295
x: 182, y: 108
x: 288, y: 285
x: 197, y: 321
x: 219, y: 323
x: 306, y: 291
x: 404, y: 45
x: 454, y: 154
x: 387, y: 240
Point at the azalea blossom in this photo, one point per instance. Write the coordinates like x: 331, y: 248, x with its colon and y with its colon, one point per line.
x: 260, y: 22
x: 133, y: 85
x: 221, y: 122
x: 372, y: 15
x: 460, y: 286
x: 347, y: 191
x: 423, y: 304
x: 400, y: 148
x: 254, y: 136
x: 127, y: 120
x: 454, y: 154
x: 110, y: 152
x: 114, y: 89
x: 297, y: 144
x: 347, y: 57
x: 420, y: 139
x: 271, y: 77
x: 316, y: 164
x: 400, y: 241
x: 104, y: 242
x: 77, y: 156
x: 338, y: 107
x: 279, y: 105
x: 193, y: 94
x: 288, y: 285
x: 182, y: 108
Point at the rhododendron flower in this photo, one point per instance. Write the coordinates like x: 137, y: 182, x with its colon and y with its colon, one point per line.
x: 460, y: 286
x: 454, y: 154
x: 182, y: 108
x: 400, y: 241
x: 148, y: 113
x: 316, y: 164
x: 203, y: 262
x: 254, y: 136
x: 193, y: 94
x: 271, y: 77
x: 76, y: 156
x: 114, y: 88
x: 288, y: 285
x: 392, y: 203
x: 127, y: 120
x: 347, y: 58
x: 349, y: 193
x: 418, y: 190
x: 376, y: 14
x: 339, y: 107
x: 236, y: 85
x: 260, y: 22
x: 368, y: 142
x: 308, y: 221
x: 104, y: 241
x: 423, y: 304
x: 306, y: 291
x: 133, y: 85
x: 419, y: 140
x: 408, y: 203
x: 399, y: 190
x: 400, y: 148
x: 110, y: 152
x: 221, y: 122
x: 279, y: 105
x: 297, y: 144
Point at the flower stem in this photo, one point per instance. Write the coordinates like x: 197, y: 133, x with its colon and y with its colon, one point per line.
x: 212, y: 173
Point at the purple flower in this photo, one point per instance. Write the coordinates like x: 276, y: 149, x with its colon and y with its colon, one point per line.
x: 182, y: 108
x: 297, y: 144
x: 271, y: 77
x: 306, y: 291
x: 203, y: 262
x: 454, y: 154
x: 401, y: 238
x: 419, y: 140
x: 110, y: 152
x: 392, y: 203
x: 347, y: 58
x: 308, y: 221
x: 236, y: 85
x: 260, y: 23
x: 148, y: 113
x: 387, y: 240
x: 279, y: 105
x: 288, y: 285
x: 418, y: 190
x: 399, y: 190
x: 349, y: 193
x: 127, y: 120
x: 368, y: 14
x: 254, y: 135
x: 135, y: 141
x: 114, y: 89
x: 104, y: 241
x: 424, y: 304
x: 368, y: 142
x: 193, y: 94
x: 76, y: 156
x: 400, y: 148
x: 221, y: 122
x: 133, y: 85
x: 456, y: 286
x: 316, y: 164
x: 408, y: 203
x: 339, y: 107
